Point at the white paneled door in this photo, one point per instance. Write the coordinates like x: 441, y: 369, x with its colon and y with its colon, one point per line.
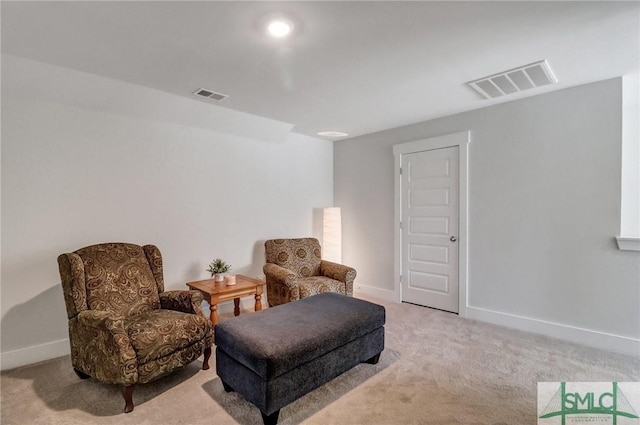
x: 429, y: 213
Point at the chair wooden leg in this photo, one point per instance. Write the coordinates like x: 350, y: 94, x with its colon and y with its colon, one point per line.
x: 207, y: 355
x: 127, y: 393
x: 81, y: 374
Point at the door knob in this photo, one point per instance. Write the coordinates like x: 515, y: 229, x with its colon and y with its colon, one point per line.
x: 453, y: 239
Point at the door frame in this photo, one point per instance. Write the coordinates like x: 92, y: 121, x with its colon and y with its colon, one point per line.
x: 461, y: 140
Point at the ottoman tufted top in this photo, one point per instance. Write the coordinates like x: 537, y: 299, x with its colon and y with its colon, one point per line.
x: 276, y: 340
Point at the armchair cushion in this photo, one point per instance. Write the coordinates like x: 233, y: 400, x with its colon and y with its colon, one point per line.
x: 315, y: 285
x: 301, y: 256
x: 158, y: 333
x: 118, y: 278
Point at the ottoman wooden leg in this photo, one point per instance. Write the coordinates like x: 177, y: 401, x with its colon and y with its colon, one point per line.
x: 226, y: 387
x: 374, y: 359
x: 271, y: 419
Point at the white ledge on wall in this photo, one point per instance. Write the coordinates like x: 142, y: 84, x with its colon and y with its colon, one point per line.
x: 628, y: 244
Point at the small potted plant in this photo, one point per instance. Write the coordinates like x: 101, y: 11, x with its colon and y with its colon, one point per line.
x: 217, y: 268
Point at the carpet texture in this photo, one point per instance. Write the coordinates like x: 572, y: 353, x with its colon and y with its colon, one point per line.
x: 436, y: 369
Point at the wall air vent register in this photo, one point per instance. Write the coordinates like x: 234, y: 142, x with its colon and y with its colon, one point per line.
x: 515, y: 80
x: 210, y: 94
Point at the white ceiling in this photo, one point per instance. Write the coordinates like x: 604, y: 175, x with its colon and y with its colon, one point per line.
x: 354, y: 66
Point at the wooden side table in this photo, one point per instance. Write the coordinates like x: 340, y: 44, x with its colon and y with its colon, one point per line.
x: 214, y: 292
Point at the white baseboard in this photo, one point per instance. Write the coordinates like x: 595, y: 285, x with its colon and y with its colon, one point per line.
x: 605, y: 341
x: 628, y: 244
x: 34, y: 354
x: 372, y: 291
x: 51, y: 350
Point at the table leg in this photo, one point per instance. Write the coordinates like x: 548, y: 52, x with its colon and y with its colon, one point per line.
x: 258, y: 302
x: 214, y: 314
x: 236, y: 306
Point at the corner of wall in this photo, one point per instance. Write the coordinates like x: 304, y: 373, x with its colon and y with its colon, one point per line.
x: 588, y: 337
x: 630, y: 184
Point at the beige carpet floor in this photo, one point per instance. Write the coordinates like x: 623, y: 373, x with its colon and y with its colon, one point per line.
x: 436, y: 369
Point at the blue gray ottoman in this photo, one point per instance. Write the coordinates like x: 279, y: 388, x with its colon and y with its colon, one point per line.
x: 275, y: 356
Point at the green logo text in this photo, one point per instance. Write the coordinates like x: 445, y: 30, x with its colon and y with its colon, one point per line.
x: 564, y: 403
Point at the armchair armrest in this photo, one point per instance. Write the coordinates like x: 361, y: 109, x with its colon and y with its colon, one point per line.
x: 102, y: 321
x: 100, y: 347
x: 337, y: 271
x: 280, y: 275
x: 186, y: 301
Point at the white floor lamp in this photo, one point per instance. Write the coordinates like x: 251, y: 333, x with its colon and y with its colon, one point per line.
x: 332, y: 235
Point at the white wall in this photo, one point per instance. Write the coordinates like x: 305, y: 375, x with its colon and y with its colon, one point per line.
x: 544, y: 210
x: 630, y: 220
x: 121, y: 162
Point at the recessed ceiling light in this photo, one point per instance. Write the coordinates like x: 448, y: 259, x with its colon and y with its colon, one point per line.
x: 332, y: 134
x: 279, y: 28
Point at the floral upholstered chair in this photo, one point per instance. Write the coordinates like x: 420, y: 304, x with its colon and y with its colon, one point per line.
x: 123, y: 327
x: 295, y: 270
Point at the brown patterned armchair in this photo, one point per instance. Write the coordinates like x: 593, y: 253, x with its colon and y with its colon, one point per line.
x: 123, y: 327
x: 295, y: 270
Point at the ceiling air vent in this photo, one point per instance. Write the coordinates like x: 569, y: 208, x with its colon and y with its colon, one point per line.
x: 210, y: 94
x: 515, y: 80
